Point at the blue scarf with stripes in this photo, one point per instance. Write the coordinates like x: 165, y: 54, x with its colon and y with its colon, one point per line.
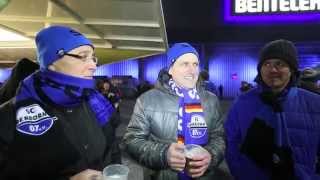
x: 192, y: 127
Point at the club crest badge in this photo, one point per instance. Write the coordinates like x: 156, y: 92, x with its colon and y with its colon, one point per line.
x: 197, y: 126
x: 33, y: 120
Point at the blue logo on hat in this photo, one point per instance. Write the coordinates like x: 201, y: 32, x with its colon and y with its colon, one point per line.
x: 76, y: 33
x: 61, y: 52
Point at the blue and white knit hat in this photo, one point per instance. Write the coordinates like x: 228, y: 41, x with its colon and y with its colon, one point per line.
x: 53, y: 42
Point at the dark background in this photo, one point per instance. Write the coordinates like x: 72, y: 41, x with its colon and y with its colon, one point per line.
x: 201, y: 21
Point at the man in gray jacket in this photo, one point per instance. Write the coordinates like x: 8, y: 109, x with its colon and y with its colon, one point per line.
x: 175, y: 113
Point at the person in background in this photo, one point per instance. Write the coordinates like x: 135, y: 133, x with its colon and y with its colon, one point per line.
x: 57, y: 125
x: 177, y: 112
x: 20, y: 70
x: 143, y: 87
x: 109, y: 91
x: 245, y: 86
x: 309, y: 79
x: 220, y: 88
x: 273, y: 131
x: 206, y: 83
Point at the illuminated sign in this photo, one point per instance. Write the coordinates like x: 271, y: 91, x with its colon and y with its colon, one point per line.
x: 267, y: 6
x: 271, y: 11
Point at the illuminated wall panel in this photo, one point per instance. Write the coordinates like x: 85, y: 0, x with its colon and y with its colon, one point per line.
x: 231, y: 64
x: 128, y: 67
x: 4, y: 74
x: 152, y: 66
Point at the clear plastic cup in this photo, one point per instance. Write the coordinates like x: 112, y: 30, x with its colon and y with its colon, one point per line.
x: 115, y: 172
x: 191, y: 150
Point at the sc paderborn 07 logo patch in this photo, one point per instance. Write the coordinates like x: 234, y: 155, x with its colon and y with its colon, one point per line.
x: 33, y: 120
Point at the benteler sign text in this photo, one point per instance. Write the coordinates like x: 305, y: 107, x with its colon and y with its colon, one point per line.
x: 274, y: 6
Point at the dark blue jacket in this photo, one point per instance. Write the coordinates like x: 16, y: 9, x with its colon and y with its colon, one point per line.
x: 300, y: 131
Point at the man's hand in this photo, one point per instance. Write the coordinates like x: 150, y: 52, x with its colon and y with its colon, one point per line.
x: 199, y: 164
x: 88, y: 174
x: 175, y: 157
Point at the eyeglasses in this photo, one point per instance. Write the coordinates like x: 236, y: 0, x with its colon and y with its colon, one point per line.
x: 276, y: 64
x: 83, y: 58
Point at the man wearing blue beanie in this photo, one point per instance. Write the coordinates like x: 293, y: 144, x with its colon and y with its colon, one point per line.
x: 65, y: 50
x: 173, y: 115
x: 57, y: 126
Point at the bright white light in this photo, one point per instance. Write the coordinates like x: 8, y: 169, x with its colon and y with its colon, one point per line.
x: 6, y: 35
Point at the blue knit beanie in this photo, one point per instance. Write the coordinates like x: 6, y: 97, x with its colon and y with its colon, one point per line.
x: 53, y: 42
x: 178, y: 50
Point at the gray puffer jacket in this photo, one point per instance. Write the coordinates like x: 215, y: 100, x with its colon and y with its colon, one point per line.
x: 153, y: 127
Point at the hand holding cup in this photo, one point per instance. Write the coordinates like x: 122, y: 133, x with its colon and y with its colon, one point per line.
x: 197, y: 160
x: 175, y: 157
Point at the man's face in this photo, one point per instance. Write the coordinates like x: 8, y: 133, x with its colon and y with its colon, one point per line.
x: 82, y: 68
x: 276, y: 74
x: 185, y: 71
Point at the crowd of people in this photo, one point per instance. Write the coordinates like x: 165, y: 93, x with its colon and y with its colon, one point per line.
x: 58, y: 122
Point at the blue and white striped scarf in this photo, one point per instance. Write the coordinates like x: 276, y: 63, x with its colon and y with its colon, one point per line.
x: 192, y: 127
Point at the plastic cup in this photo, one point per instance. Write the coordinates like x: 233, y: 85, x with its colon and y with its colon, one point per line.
x: 115, y: 172
x: 191, y: 150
